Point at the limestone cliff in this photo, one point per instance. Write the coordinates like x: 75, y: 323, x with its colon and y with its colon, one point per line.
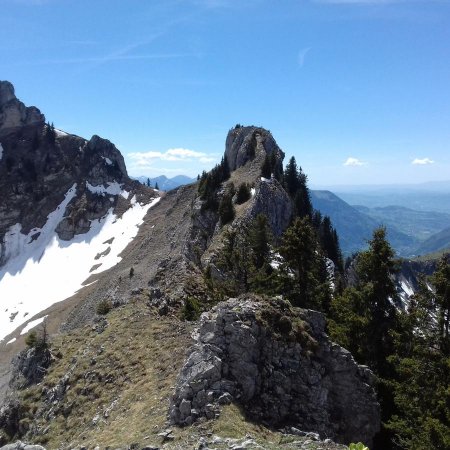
x: 279, y: 365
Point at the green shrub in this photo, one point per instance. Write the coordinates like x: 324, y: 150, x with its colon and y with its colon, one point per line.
x: 191, y: 310
x: 243, y: 193
x: 226, y: 209
x: 358, y: 446
x: 104, y: 307
x: 31, y: 339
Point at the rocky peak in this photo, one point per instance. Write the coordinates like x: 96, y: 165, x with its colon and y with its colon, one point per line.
x: 244, y: 144
x: 13, y: 113
x: 39, y: 165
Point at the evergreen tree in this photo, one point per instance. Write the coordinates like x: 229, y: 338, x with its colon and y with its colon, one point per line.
x: 226, y: 208
x: 422, y: 360
x: 243, y: 193
x: 148, y: 182
x: 156, y: 186
x: 291, y: 177
x: 259, y: 239
x: 301, y: 254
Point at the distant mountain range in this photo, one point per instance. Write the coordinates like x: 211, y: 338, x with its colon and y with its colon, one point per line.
x: 164, y: 183
x: 410, y: 232
x: 438, y: 241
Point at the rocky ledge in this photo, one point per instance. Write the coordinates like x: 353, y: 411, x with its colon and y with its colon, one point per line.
x: 277, y: 363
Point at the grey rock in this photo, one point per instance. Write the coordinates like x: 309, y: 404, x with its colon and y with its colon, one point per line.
x: 19, y: 445
x: 305, y: 381
x: 243, y: 143
x: 29, y: 367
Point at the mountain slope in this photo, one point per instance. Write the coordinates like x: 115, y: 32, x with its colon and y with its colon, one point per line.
x: 67, y: 202
x: 417, y: 224
x: 439, y: 241
x: 354, y: 227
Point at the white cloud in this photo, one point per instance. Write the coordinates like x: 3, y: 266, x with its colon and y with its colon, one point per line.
x: 354, y: 162
x: 302, y: 56
x: 145, y: 159
x: 422, y: 162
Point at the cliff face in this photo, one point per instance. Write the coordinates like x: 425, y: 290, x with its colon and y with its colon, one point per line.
x: 279, y: 365
x: 13, y: 113
x: 39, y: 165
x: 56, y: 188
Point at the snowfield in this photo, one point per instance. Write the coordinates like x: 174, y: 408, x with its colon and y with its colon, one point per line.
x: 1, y: 152
x: 43, y: 270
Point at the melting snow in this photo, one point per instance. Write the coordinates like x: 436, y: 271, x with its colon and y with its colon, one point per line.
x: 1, y: 152
x: 113, y: 189
x: 46, y: 270
x: 407, y: 289
x: 60, y: 132
x: 32, y: 324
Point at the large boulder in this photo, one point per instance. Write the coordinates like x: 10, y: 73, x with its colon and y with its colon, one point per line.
x: 277, y: 362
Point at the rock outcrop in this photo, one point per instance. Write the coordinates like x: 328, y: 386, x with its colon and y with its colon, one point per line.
x: 271, y: 200
x: 39, y: 165
x: 279, y: 365
x: 30, y: 366
x: 13, y: 113
x: 243, y: 143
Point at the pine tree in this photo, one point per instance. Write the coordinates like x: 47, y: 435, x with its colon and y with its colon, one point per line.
x: 259, y: 239
x: 422, y: 361
x: 156, y: 186
x: 291, y: 177
x: 243, y: 193
x: 148, y: 182
x: 300, y: 251
x: 226, y: 208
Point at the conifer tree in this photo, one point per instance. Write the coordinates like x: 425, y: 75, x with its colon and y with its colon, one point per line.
x: 300, y: 251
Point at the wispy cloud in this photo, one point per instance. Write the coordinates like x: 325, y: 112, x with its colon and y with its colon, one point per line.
x: 422, y: 162
x: 145, y: 159
x: 302, y: 56
x: 354, y: 162
x: 98, y: 60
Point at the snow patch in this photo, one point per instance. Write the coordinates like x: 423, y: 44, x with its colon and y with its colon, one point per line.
x: 32, y: 324
x: 253, y: 191
x: 107, y: 160
x: 266, y: 180
x: 61, y: 132
x: 1, y: 152
x: 11, y: 341
x: 47, y: 270
x: 113, y: 188
x: 407, y: 289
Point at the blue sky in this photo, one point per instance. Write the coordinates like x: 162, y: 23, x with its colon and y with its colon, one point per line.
x: 357, y: 90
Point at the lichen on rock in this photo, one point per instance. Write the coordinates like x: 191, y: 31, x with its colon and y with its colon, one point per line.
x: 276, y: 362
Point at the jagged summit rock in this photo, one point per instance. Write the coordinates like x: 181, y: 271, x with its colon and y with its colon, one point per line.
x: 13, y: 113
x: 245, y: 143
